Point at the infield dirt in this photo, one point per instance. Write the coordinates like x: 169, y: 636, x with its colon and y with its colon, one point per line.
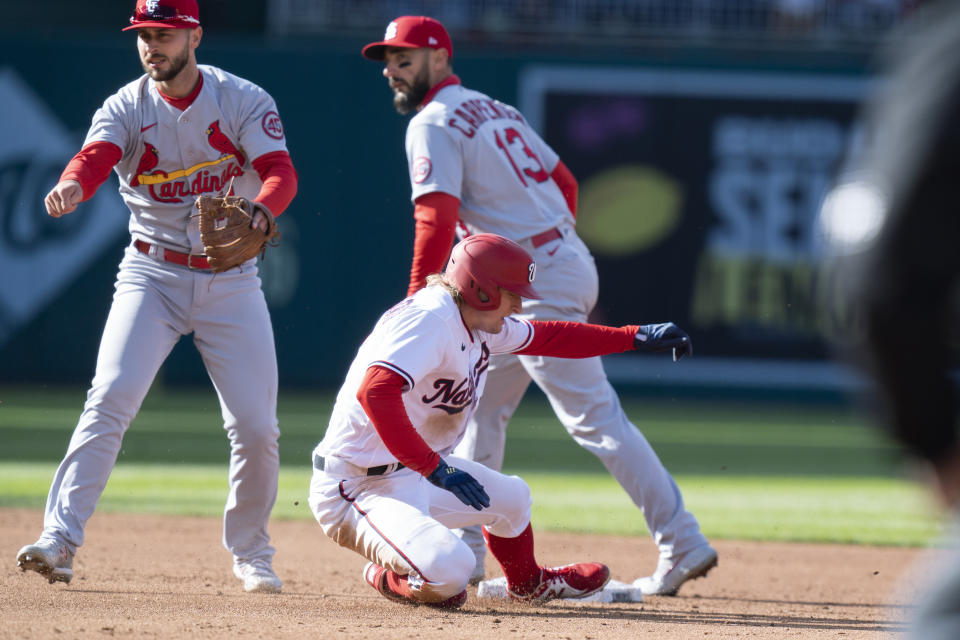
x: 166, y: 577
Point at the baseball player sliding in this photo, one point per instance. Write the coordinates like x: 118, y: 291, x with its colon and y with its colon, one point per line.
x: 474, y: 160
x: 385, y: 481
x: 178, y: 132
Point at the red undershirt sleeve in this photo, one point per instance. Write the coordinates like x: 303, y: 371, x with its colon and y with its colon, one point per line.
x: 91, y: 166
x: 436, y: 216
x: 568, y: 185
x: 561, y: 339
x: 279, y: 181
x: 381, y: 396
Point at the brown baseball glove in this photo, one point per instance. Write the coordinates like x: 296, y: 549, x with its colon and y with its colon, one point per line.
x: 228, y: 239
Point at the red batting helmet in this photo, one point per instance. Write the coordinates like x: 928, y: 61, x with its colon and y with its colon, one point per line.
x: 482, y: 263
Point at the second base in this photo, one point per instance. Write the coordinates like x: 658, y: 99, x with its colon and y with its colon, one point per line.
x: 614, y: 591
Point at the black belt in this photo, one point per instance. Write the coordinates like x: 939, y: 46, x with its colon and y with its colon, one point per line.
x: 382, y: 469
x: 371, y: 471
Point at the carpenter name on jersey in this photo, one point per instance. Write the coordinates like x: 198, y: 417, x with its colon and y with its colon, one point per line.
x: 473, y: 113
x: 483, y: 152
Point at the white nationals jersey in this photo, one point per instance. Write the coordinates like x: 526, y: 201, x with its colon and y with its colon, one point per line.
x: 482, y: 151
x: 424, y: 339
x: 171, y: 156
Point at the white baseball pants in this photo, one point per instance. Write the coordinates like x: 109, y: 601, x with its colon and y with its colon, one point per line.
x: 153, y: 305
x: 581, y: 397
x: 401, y: 521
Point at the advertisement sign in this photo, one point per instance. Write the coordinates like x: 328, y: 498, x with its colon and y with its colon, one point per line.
x: 699, y: 194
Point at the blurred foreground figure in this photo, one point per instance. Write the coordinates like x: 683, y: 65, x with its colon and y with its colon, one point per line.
x: 905, y: 266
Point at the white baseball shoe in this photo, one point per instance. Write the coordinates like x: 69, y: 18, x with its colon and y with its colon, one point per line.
x: 258, y: 576
x: 567, y: 582
x: 671, y: 573
x: 50, y: 558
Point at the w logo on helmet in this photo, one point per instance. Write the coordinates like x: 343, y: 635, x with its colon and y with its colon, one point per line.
x: 482, y: 264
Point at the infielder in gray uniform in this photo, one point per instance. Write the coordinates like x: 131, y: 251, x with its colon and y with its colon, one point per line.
x: 474, y: 162
x: 176, y: 133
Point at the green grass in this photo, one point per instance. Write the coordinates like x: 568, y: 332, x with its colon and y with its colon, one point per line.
x: 747, y: 472
x: 827, y: 509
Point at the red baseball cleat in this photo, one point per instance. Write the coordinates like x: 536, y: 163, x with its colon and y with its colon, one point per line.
x: 376, y: 577
x: 571, y: 581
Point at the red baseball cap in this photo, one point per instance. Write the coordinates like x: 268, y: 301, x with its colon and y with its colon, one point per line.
x: 412, y: 32
x: 165, y: 14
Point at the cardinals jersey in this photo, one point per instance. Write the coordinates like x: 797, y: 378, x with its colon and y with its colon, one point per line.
x: 424, y: 340
x: 482, y: 151
x: 171, y: 156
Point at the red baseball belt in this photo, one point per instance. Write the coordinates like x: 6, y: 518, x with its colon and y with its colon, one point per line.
x: 189, y: 260
x: 543, y: 238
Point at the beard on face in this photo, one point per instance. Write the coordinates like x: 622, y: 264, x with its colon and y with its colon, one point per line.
x: 177, y: 63
x: 406, y: 103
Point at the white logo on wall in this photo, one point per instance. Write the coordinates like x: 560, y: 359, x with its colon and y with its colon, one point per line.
x: 36, y: 146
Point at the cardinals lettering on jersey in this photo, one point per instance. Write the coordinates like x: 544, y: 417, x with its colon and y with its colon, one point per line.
x: 185, y: 184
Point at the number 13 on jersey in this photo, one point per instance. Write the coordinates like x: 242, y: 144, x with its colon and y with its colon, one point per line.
x: 512, y: 144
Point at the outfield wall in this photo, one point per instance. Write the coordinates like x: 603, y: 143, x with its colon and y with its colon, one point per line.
x: 700, y: 172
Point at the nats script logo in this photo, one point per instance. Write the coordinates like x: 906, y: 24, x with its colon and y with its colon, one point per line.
x: 174, y: 186
x: 452, y: 397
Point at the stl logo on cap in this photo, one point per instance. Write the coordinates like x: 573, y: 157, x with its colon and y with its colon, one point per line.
x: 410, y: 32
x: 391, y: 31
x: 165, y: 14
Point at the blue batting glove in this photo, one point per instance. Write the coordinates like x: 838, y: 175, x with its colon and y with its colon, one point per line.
x: 461, y: 484
x: 657, y: 338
